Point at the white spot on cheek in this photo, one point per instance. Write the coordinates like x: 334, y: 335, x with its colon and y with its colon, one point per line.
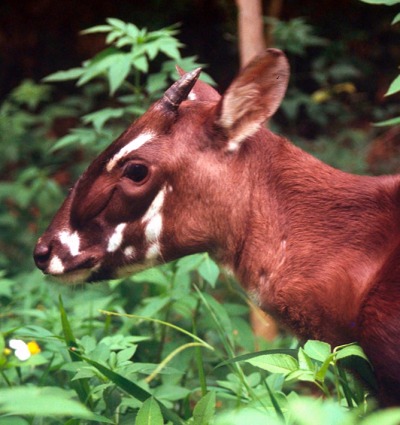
x: 56, y: 266
x: 130, y: 147
x: 129, y: 251
x: 71, y: 240
x: 116, y: 238
x: 192, y: 96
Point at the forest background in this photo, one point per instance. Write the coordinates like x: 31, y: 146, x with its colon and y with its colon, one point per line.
x: 172, y: 344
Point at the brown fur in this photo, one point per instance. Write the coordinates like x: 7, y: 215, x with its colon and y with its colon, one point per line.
x: 318, y: 247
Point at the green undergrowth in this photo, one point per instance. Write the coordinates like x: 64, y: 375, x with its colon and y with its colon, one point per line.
x: 171, y: 345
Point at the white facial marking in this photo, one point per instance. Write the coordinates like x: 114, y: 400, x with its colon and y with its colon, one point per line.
x: 130, y: 147
x: 154, y: 228
x: 155, y: 206
x: 192, y: 96
x: 116, y: 238
x: 129, y: 251
x: 153, y: 252
x: 153, y: 218
x: 71, y: 240
x: 56, y: 266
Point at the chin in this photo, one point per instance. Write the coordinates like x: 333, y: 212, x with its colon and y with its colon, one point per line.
x: 73, y: 278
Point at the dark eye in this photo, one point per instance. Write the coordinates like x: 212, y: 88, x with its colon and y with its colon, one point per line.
x: 136, y: 172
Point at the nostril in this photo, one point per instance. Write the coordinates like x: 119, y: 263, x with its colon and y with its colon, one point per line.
x: 41, y: 255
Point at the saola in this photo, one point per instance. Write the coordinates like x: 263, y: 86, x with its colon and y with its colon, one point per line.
x: 317, y: 247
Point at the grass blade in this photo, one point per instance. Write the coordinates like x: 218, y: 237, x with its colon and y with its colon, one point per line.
x: 161, y: 322
x: 132, y: 389
x: 81, y: 386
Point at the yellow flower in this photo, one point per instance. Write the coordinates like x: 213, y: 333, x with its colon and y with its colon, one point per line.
x: 33, y: 347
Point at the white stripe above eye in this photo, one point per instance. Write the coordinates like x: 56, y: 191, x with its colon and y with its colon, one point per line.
x: 134, y: 145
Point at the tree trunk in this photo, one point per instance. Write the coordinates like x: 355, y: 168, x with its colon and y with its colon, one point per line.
x: 250, y: 29
x: 251, y: 43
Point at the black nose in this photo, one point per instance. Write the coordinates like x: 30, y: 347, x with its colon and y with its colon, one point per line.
x: 41, y: 255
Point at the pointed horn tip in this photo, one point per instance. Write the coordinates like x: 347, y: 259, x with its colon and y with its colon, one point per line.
x: 189, y: 75
x: 196, y: 72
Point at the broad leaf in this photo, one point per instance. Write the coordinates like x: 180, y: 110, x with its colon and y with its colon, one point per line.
x: 394, y: 87
x: 118, y: 71
x: 351, y: 350
x: 149, y: 414
x: 317, y: 350
x: 275, y: 363
x: 204, y: 410
x: 209, y: 271
x: 43, y: 401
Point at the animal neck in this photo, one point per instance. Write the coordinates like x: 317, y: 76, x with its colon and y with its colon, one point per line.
x: 313, y: 232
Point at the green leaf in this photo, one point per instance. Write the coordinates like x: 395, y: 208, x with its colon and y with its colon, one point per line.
x: 300, y: 375
x: 383, y: 417
x: 154, y: 275
x: 70, y: 74
x: 204, y: 410
x: 99, y: 118
x: 396, y: 19
x: 351, y: 350
x: 248, y: 415
x: 156, y: 82
x: 209, y: 270
x: 98, y: 65
x: 275, y: 363
x: 131, y: 388
x: 13, y: 420
x: 153, y: 305
x: 305, y: 362
x: 382, y: 2
x: 220, y: 317
x: 392, y: 121
x: 394, y: 87
x: 82, y: 387
x: 118, y: 71
x: 117, y: 23
x: 97, y: 28
x: 141, y: 63
x: 149, y: 413
x: 43, y: 401
x: 322, y: 371
x: 189, y: 263
x: 309, y: 411
x: 317, y: 350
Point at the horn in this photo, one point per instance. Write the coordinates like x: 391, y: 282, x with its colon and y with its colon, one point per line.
x: 180, y: 90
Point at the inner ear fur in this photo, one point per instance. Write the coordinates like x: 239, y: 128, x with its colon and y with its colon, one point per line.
x: 253, y: 97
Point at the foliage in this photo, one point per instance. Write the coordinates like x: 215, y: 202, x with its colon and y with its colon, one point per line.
x: 108, y: 358
x: 123, y: 67
x: 395, y: 86
x: 326, y: 109
x: 158, y: 347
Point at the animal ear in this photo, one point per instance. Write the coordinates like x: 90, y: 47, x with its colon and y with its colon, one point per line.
x: 253, y: 97
x: 201, y: 91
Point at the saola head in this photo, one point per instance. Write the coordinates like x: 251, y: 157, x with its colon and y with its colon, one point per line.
x: 174, y: 183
